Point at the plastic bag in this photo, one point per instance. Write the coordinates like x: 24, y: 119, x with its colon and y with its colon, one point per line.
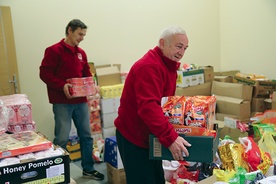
x: 256, y: 158
x: 267, y: 144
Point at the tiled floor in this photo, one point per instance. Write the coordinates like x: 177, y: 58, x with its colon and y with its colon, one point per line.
x: 76, y: 173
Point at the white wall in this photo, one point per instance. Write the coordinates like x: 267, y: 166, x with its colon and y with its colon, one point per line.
x: 221, y: 33
x: 119, y: 32
x: 248, y: 36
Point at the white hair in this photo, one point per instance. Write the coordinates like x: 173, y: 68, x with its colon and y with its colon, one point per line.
x: 169, y: 31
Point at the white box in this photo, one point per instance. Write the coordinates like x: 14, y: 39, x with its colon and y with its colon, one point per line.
x: 110, y: 105
x: 190, y: 78
x: 108, y: 119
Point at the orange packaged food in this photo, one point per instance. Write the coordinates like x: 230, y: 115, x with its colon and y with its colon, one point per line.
x: 173, y: 108
x: 191, y: 130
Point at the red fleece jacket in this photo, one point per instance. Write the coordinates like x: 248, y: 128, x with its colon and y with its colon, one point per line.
x: 140, y: 113
x: 61, y: 62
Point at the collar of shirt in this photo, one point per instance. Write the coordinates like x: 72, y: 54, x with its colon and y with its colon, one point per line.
x: 73, y: 49
x: 171, y: 65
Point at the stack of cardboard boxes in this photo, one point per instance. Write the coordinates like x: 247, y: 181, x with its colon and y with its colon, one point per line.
x: 114, y: 165
x: 27, y: 156
x: 110, y: 83
x: 262, y: 90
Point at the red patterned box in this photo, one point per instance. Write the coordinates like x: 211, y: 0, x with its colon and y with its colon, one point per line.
x: 82, y: 86
x: 20, y: 108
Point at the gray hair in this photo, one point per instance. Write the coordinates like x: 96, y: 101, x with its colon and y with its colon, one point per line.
x: 169, y: 31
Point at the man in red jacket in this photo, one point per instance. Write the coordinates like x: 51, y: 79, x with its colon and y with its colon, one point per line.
x: 62, y: 61
x: 140, y: 114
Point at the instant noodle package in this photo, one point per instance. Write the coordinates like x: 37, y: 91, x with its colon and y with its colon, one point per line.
x: 191, y: 115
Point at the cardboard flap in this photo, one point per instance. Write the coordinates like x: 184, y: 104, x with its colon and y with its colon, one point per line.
x: 229, y: 99
x: 107, y: 70
x: 108, y: 76
x: 227, y: 73
x: 235, y: 90
x: 202, y: 89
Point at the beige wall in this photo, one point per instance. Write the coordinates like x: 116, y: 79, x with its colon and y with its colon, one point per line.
x: 248, y: 36
x: 122, y: 31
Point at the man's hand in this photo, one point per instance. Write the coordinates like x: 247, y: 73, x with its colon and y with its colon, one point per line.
x: 66, y: 90
x: 178, y: 148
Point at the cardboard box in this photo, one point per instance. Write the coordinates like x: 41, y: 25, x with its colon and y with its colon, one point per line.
x: 22, y: 143
x: 111, y: 153
x: 108, y: 75
x: 273, y: 100
x: 190, y: 78
x: 19, y: 108
x: 82, y: 87
x: 115, y: 176
x: 233, y: 106
x: 234, y: 133
x: 109, y: 65
x: 111, y: 91
x: 202, y: 89
x: 210, y: 180
x: 221, y: 116
x: 233, y: 90
x: 74, y: 151
x: 223, y: 79
x: 108, y: 119
x: 47, y: 170
x: 74, y: 147
x: 227, y: 73
x: 203, y: 149
x: 208, y: 73
x: 260, y: 88
x: 258, y: 105
x: 75, y: 155
x: 110, y: 105
x: 92, y: 68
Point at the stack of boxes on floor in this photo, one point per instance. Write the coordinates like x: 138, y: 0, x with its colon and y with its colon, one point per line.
x: 110, y: 83
x: 263, y: 89
x: 239, y: 98
x: 25, y: 155
x: 109, y: 79
x: 114, y: 165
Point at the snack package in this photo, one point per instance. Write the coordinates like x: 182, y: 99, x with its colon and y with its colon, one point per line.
x: 200, y: 111
x: 223, y: 175
x: 267, y: 144
x: 256, y: 158
x: 185, y: 174
x: 173, y: 108
x: 231, y: 156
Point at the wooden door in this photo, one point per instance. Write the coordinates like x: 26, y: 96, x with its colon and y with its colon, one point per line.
x: 9, y: 80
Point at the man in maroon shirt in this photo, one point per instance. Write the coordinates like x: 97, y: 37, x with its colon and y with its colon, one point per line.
x: 62, y: 61
x: 140, y: 114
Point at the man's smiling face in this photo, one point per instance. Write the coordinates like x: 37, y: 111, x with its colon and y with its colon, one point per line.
x: 174, y: 46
